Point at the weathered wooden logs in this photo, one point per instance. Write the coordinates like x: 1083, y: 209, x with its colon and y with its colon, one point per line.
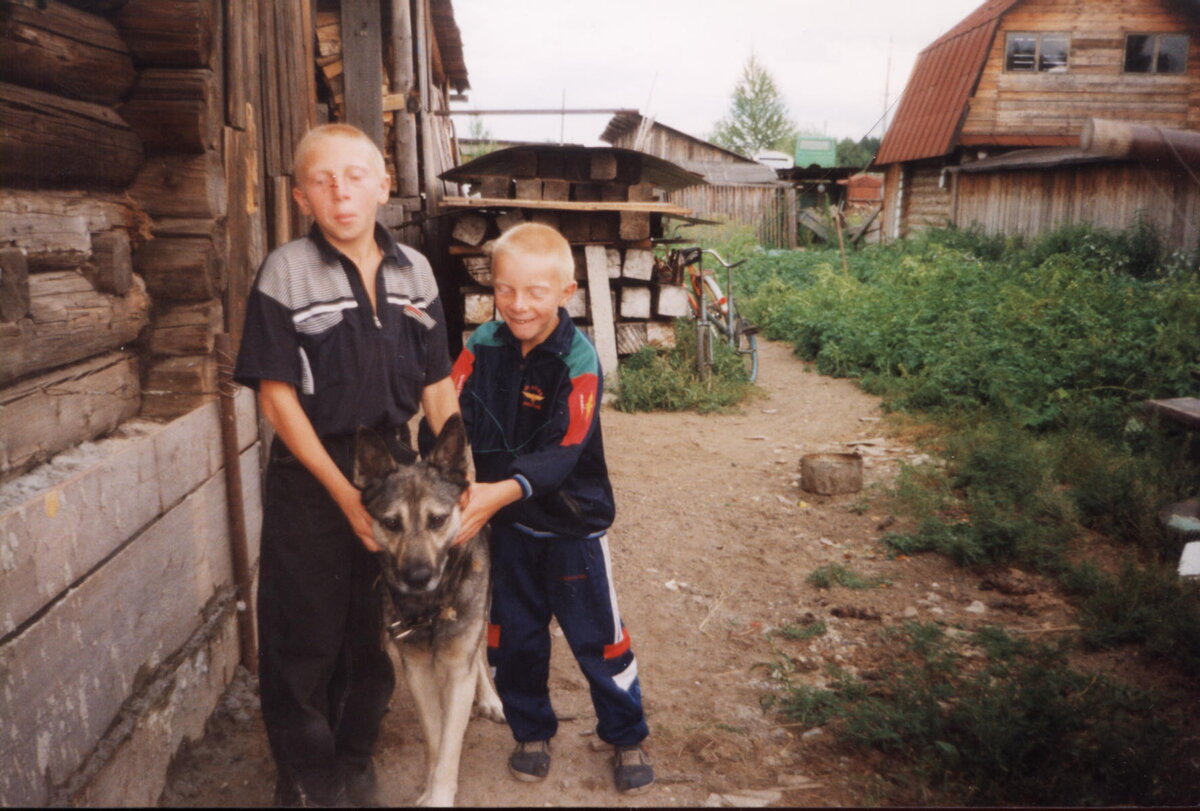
x: 187, y: 329
x: 176, y: 110
x: 183, y: 268
x: 184, y: 186
x: 170, y: 33
x: 14, y: 285
x: 48, y: 413
x: 49, y: 141
x: 55, y: 229
x: 69, y: 320
x: 55, y: 48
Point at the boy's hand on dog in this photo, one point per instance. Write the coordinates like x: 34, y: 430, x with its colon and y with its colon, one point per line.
x: 483, y: 500
x: 359, y: 518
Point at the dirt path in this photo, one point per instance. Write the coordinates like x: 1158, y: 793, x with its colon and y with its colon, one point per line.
x: 712, y: 546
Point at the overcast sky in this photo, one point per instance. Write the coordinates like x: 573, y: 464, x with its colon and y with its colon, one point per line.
x: 679, y: 60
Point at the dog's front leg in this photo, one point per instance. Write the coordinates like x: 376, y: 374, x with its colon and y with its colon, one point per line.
x: 487, y: 702
x: 455, y: 678
x: 422, y: 678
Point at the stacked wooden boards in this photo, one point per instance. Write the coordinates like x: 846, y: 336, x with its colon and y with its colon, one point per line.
x: 605, y: 202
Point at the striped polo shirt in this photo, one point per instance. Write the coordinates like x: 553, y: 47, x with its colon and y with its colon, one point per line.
x: 309, y: 323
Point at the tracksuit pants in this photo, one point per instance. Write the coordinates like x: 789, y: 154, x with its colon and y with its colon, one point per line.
x: 324, y: 676
x: 534, y: 578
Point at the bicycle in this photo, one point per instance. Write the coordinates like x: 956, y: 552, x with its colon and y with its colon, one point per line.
x: 715, y: 312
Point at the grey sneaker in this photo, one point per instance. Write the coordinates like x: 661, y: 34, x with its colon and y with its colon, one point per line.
x: 632, y: 771
x: 530, y: 761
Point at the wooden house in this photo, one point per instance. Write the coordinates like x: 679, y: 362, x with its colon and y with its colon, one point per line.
x: 988, y: 130
x: 737, y: 188
x: 145, y: 152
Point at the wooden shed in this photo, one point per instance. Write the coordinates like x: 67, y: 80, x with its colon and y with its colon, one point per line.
x: 738, y: 189
x: 988, y: 129
x: 146, y: 156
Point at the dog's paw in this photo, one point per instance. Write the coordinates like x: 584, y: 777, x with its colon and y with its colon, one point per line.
x: 491, y: 710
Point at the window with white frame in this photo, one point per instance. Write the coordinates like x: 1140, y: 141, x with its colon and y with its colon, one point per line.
x: 1037, y: 52
x: 1156, y: 53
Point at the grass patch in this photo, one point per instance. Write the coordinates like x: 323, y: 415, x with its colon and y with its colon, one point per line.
x: 835, y: 574
x: 1009, y: 724
x: 797, y: 633
x: 669, y: 381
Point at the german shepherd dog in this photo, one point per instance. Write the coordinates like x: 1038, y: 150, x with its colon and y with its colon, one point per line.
x: 439, y: 592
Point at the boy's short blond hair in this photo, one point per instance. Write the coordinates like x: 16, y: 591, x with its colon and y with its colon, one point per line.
x: 308, y: 143
x: 535, y: 239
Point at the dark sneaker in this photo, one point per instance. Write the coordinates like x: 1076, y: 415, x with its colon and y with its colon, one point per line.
x: 530, y: 761
x: 632, y: 771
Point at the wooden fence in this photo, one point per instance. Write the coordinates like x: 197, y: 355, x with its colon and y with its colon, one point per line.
x: 770, y: 209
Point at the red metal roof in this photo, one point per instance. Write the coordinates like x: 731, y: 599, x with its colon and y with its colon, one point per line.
x: 934, y: 104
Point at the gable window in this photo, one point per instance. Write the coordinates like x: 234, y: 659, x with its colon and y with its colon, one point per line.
x: 1156, y: 53
x: 1037, y: 52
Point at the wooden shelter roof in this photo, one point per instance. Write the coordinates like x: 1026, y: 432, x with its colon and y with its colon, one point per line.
x: 449, y: 42
x: 624, y: 123
x: 649, y: 169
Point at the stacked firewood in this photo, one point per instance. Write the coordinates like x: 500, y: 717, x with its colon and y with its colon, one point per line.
x: 610, y: 219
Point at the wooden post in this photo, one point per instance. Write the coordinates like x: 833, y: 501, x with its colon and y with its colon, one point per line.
x: 837, y: 226
x: 362, y: 60
x: 604, y: 333
x: 238, y: 552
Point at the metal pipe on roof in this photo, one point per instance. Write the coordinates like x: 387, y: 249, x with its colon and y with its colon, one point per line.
x: 1122, y: 139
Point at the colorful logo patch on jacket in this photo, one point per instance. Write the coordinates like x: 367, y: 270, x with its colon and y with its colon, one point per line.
x: 532, y: 397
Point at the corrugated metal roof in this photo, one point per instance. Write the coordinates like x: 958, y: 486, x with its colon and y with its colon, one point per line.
x: 934, y: 104
x: 728, y: 173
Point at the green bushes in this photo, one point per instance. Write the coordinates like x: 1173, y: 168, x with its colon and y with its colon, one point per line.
x: 989, y: 719
x: 932, y: 327
x: 1034, y: 357
x: 669, y: 381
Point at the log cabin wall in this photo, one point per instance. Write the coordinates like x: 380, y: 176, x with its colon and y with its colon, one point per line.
x: 1049, y: 103
x: 146, y: 149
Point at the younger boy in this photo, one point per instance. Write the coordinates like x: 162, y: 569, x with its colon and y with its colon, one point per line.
x: 530, y: 387
x: 343, y: 328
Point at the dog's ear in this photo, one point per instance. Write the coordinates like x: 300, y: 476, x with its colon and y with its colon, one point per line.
x: 449, y: 452
x: 372, y: 459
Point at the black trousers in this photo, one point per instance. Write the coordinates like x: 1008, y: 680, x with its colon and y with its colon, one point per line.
x: 325, y: 677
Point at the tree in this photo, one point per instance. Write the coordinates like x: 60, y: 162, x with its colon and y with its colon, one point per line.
x: 758, y: 118
x: 857, y: 154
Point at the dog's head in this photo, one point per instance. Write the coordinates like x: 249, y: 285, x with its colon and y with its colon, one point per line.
x: 414, y: 508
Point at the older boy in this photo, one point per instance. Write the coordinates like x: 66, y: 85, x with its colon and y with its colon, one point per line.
x: 530, y: 390
x: 343, y: 328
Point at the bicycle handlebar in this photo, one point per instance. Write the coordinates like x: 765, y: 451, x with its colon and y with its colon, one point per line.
x: 724, y: 264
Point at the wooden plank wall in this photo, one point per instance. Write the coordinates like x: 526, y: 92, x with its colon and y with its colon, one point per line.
x: 770, y: 209
x: 117, y: 555
x: 1011, y: 103
x: 1107, y: 195
x: 927, y: 198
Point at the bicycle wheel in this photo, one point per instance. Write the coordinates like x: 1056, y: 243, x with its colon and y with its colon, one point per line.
x: 746, y: 345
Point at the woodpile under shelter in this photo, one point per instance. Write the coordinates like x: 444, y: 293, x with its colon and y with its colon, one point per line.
x: 988, y: 131
x: 738, y: 189
x: 606, y: 202
x: 145, y: 159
